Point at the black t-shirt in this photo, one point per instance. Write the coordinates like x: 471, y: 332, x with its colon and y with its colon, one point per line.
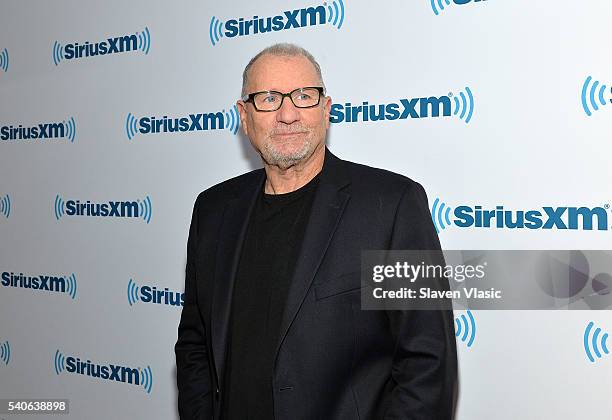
x: 270, y: 251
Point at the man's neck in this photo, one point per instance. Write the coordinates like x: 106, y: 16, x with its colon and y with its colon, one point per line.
x: 281, y: 181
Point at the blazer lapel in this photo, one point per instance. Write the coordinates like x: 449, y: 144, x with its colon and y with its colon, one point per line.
x: 327, y: 208
x: 231, y: 238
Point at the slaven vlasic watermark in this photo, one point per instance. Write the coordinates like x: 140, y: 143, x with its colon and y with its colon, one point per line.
x: 486, y: 279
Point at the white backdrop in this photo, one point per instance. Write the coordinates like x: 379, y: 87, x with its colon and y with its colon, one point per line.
x: 528, y: 143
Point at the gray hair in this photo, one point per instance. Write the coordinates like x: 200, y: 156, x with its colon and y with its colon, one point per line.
x: 282, y: 50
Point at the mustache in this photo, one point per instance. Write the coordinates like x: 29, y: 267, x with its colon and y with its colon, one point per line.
x: 293, y: 129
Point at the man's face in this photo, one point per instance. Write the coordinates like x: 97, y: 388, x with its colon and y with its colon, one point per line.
x: 289, y: 135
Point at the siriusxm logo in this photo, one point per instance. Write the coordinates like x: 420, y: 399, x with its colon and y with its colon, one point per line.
x: 111, y: 372
x: 5, y: 352
x: 150, y: 294
x: 562, y: 218
x: 593, y: 341
x: 593, y: 95
x: 193, y: 122
x: 128, y: 209
x: 460, y: 106
x: 5, y: 206
x: 47, y: 283
x: 55, y: 130
x: 4, y: 60
x: 325, y: 14
x: 438, y: 5
x: 466, y: 330
x: 139, y: 41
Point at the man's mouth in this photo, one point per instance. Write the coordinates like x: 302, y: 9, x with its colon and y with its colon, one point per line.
x: 288, y: 134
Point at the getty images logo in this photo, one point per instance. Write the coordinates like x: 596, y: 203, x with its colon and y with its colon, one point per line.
x: 135, y: 42
x: 329, y: 13
x: 221, y: 120
x: 594, y: 95
x: 41, y: 282
x: 4, y: 60
x: 112, y: 372
x: 460, y: 106
x: 124, y: 209
x: 438, y: 5
x: 561, y: 218
x: 65, y: 129
x: 150, y: 294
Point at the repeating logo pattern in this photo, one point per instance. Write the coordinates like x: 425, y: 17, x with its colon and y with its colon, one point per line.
x: 59, y: 207
x: 331, y: 13
x: 593, y: 96
x: 440, y: 214
x: 151, y: 294
x: 142, y: 377
x: 215, y: 30
x: 44, y: 282
x: 138, y: 41
x: 71, y: 285
x: 63, y: 129
x: 229, y: 120
x: 335, y: 14
x: 144, y: 40
x: 4, y: 60
x: 464, y: 108
x: 466, y: 328
x: 545, y: 217
x: 146, y: 378
x: 5, y: 352
x: 438, y: 6
x: 59, y: 362
x: 132, y: 292
x: 70, y: 129
x: 594, y: 342
x: 5, y: 206
x: 124, y: 209
x: 407, y: 108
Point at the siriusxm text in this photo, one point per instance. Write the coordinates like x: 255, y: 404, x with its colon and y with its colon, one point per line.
x: 192, y: 122
x: 106, y: 209
x: 290, y: 19
x: 114, y: 45
x: 405, y: 108
x: 40, y: 282
x: 548, y: 218
x: 111, y: 372
x: 40, y: 131
x: 150, y: 294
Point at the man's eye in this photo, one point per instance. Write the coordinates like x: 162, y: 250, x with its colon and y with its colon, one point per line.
x: 303, y: 97
x: 269, y: 99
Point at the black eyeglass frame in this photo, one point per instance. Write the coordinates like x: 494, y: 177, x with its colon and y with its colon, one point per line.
x: 251, y: 98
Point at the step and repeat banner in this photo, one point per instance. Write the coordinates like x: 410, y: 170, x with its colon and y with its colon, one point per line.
x: 115, y: 115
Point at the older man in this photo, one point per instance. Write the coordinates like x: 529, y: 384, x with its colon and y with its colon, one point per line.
x: 272, y: 326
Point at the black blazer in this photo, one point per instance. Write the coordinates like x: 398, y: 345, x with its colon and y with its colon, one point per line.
x: 333, y: 360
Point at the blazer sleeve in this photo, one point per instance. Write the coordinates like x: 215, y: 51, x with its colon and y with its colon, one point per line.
x: 424, y: 368
x: 192, y: 365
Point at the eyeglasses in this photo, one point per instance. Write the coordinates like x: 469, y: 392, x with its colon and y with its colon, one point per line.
x: 271, y: 100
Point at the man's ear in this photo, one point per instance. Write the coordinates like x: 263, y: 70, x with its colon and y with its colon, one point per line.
x: 327, y: 106
x: 243, y: 116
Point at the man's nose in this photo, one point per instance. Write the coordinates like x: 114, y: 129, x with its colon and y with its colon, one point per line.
x: 287, y: 113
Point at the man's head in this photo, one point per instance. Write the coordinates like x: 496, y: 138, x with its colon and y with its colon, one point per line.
x: 289, y: 135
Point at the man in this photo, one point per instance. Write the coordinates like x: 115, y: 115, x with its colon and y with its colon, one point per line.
x: 272, y: 326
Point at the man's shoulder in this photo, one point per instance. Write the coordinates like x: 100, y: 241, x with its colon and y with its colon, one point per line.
x: 381, y: 180
x: 231, y: 188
